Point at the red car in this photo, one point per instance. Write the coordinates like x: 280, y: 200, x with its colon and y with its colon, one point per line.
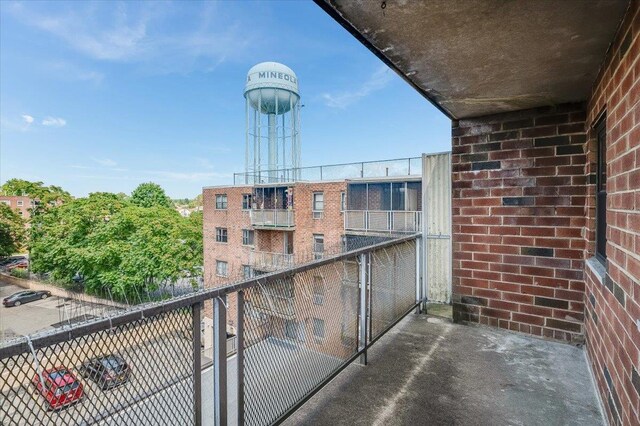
x: 61, y: 387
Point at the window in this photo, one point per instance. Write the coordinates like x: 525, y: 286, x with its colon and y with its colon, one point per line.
x: 318, y: 246
x: 247, y: 272
x: 294, y: 330
x: 343, y: 201
x: 247, y: 237
x: 221, y: 235
x: 7, y: 202
x: 601, y: 191
x: 20, y: 203
x: 221, y: 268
x: 318, y: 290
x: 221, y: 201
x: 246, y: 201
x: 318, y: 328
x: 318, y: 204
x: 20, y: 212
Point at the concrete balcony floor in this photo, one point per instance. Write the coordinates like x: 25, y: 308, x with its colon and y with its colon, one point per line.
x: 428, y: 371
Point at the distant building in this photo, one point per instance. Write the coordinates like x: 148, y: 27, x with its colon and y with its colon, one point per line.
x: 20, y: 204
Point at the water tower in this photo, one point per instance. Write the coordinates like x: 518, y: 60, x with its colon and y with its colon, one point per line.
x: 273, y: 124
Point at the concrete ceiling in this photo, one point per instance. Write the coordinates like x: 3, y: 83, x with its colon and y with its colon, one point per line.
x: 478, y: 57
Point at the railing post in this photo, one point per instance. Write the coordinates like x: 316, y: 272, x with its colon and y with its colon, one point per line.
x: 240, y: 358
x: 220, y: 360
x: 197, y: 364
x: 363, y: 323
x: 419, y: 293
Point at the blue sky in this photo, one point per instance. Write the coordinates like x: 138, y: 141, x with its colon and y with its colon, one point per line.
x: 103, y: 96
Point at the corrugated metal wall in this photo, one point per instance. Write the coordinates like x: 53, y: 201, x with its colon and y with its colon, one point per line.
x: 436, y: 228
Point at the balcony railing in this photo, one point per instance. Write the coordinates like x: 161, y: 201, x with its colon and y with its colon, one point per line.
x: 267, y: 261
x: 367, y: 169
x: 382, y: 221
x: 280, y: 362
x: 276, y: 218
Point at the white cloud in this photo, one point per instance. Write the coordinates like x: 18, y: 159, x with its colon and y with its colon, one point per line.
x: 137, y: 32
x: 54, y: 122
x: 377, y: 81
x: 28, y: 119
x: 106, y: 162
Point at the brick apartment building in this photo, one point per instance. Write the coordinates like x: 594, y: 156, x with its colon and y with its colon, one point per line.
x: 20, y: 204
x: 543, y: 99
x: 256, y: 229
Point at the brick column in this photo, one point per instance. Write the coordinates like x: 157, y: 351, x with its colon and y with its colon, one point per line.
x: 519, y: 187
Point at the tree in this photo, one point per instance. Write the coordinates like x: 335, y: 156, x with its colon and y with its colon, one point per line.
x: 117, y: 245
x: 149, y: 195
x: 46, y: 195
x: 11, y: 231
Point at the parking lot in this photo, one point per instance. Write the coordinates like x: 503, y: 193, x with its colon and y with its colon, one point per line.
x: 41, y: 314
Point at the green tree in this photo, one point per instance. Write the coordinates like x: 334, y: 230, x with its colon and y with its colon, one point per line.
x: 150, y: 195
x: 12, y: 231
x: 117, y: 245
x: 46, y: 195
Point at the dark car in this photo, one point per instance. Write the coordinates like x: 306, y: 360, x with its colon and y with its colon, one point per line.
x: 59, y: 386
x: 107, y: 371
x: 21, y: 297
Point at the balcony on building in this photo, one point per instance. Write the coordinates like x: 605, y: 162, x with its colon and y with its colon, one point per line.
x: 384, y: 206
x: 266, y: 261
x: 272, y: 207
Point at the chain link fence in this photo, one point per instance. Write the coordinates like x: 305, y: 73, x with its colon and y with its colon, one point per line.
x: 297, y: 329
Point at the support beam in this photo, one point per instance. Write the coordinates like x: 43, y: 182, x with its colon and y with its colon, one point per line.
x: 220, y: 360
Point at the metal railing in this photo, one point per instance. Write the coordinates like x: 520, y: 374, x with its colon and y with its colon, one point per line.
x: 382, y: 221
x: 273, y: 218
x: 366, y: 169
x: 280, y: 362
x: 267, y: 261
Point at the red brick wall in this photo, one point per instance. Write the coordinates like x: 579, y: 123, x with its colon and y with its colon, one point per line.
x: 613, y: 309
x: 519, y: 187
x: 22, y: 210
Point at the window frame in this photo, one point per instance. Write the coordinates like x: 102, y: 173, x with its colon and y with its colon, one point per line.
x: 226, y: 268
x: 221, y: 201
x: 253, y: 236
x: 222, y: 235
x: 318, y: 254
x: 343, y: 201
x: 314, y: 202
x: 315, y: 326
x: 247, y: 200
x: 601, y: 191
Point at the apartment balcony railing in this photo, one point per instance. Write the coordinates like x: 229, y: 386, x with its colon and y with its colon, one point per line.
x: 267, y: 261
x: 382, y: 221
x: 272, y: 218
x: 279, y: 362
x: 367, y: 169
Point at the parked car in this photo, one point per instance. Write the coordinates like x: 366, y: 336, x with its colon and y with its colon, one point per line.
x: 61, y: 387
x: 21, y: 297
x: 21, y: 264
x: 107, y: 371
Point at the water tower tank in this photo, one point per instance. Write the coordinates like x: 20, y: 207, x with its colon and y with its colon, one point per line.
x: 273, y: 120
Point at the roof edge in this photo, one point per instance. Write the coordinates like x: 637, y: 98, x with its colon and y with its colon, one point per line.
x: 331, y: 11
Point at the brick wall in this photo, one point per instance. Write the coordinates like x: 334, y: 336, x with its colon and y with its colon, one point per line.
x: 19, y: 204
x: 519, y: 188
x: 613, y: 302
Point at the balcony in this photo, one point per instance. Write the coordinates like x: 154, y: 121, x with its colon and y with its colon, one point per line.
x: 389, y: 221
x: 267, y: 261
x: 291, y: 344
x: 272, y: 218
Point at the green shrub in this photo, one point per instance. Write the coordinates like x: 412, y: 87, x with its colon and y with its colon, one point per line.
x: 20, y: 273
